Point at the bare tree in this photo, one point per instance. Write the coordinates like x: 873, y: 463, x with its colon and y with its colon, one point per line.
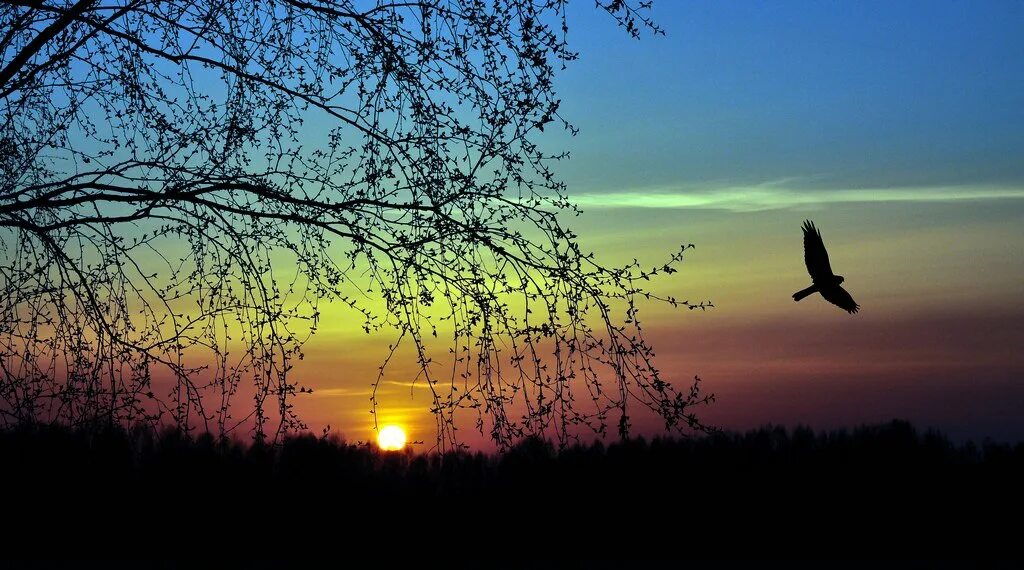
x: 184, y: 182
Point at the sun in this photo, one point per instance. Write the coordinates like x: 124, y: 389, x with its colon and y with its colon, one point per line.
x: 391, y: 438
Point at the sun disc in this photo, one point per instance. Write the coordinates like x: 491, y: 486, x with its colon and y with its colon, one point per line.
x: 391, y: 438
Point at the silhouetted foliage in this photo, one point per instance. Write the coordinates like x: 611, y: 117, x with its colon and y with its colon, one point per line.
x: 184, y: 184
x: 793, y: 492
x: 892, y: 453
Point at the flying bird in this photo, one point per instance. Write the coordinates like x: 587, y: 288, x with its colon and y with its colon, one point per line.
x: 825, y: 282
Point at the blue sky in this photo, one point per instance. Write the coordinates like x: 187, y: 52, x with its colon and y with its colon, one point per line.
x: 817, y: 94
x: 898, y: 127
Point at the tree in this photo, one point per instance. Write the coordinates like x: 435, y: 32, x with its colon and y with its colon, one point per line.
x: 184, y: 182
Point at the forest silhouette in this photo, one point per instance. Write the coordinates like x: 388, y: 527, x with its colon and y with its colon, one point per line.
x: 759, y: 486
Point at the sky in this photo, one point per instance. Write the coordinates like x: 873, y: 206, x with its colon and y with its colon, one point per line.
x: 895, y: 126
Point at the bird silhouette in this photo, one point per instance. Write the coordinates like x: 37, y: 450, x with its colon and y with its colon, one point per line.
x: 825, y: 282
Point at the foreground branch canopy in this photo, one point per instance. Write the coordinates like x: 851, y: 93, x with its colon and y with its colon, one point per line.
x: 184, y: 184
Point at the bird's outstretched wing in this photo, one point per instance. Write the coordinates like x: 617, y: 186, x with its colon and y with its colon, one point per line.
x: 840, y: 298
x: 815, y: 255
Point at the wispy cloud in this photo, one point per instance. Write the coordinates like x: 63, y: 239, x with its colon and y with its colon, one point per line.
x: 367, y: 392
x: 777, y: 195
x: 420, y: 384
x: 341, y: 392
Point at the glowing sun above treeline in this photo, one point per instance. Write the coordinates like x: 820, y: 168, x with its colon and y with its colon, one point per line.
x: 391, y: 438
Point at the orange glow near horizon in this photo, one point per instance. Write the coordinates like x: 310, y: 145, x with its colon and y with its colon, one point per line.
x: 925, y: 331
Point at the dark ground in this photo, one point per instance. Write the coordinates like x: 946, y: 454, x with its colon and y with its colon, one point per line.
x: 873, y: 491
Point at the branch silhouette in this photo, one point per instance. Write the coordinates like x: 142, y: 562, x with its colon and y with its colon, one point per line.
x: 184, y: 185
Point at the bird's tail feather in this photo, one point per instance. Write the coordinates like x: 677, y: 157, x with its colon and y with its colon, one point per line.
x: 805, y: 292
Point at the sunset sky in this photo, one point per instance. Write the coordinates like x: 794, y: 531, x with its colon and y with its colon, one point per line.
x: 898, y: 127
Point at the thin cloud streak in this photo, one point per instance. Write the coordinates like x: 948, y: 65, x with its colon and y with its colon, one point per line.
x: 420, y: 385
x: 341, y: 392
x: 363, y: 392
x: 773, y: 196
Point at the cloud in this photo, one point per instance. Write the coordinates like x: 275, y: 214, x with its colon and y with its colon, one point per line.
x: 367, y: 392
x: 420, y: 384
x: 776, y: 195
x: 341, y: 392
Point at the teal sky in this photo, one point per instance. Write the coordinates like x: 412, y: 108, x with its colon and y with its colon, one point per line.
x: 808, y: 95
x: 898, y: 127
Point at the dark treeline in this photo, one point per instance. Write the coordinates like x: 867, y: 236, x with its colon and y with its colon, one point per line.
x: 140, y: 455
x: 889, y: 480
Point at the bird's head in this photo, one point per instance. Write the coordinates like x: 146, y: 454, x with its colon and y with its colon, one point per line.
x: 840, y: 279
